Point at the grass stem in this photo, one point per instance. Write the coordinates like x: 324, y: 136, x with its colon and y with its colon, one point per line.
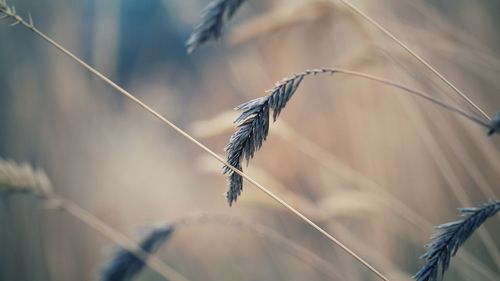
x: 416, y: 56
x: 19, y: 20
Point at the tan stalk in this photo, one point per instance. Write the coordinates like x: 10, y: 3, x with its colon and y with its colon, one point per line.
x: 19, y: 20
x: 123, y: 241
x: 416, y: 56
x: 16, y: 178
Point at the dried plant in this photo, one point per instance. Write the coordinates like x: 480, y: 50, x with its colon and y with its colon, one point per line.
x: 213, y: 19
x: 125, y: 265
x: 253, y: 127
x: 15, y: 178
x: 11, y: 13
x: 253, y: 123
x: 416, y: 56
x: 450, y: 237
x: 221, y: 123
x: 495, y: 124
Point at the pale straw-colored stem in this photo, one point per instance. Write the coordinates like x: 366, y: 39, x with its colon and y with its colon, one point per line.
x: 405, y: 88
x: 123, y: 241
x: 19, y: 20
x: 416, y: 56
x: 22, y: 178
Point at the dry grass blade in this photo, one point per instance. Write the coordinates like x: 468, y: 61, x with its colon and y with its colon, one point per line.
x: 137, y: 101
x: 450, y: 237
x: 213, y: 19
x: 462, y: 38
x: 416, y: 56
x: 253, y: 123
x: 125, y: 265
x: 339, y: 168
x: 445, y: 165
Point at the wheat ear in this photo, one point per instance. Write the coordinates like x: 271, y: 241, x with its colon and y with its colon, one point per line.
x: 125, y: 265
x: 416, y: 56
x: 10, y: 13
x: 213, y: 19
x: 253, y: 123
x: 449, y: 239
x: 16, y: 178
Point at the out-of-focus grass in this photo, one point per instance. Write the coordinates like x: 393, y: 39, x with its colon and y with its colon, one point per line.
x: 123, y: 166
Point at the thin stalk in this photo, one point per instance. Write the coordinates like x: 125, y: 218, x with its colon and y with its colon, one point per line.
x: 340, y: 169
x: 30, y: 26
x: 22, y: 178
x: 445, y: 166
x: 87, y: 218
x: 388, y: 82
x: 416, y: 56
x: 260, y: 230
x: 419, y: 93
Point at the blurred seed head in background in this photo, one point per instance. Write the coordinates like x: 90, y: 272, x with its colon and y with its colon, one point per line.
x: 375, y: 168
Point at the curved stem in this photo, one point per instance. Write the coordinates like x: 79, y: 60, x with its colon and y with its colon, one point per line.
x: 19, y: 20
x: 416, y: 56
x: 405, y: 88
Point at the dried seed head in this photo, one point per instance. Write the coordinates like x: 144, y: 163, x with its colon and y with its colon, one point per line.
x: 449, y: 239
x: 495, y: 125
x: 125, y: 264
x: 213, y: 19
x: 19, y: 178
x: 253, y: 128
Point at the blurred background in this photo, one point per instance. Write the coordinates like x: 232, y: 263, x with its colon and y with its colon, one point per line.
x: 374, y: 166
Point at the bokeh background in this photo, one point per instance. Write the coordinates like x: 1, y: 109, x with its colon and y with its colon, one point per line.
x: 376, y: 167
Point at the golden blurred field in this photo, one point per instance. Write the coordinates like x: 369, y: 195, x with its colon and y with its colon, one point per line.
x: 375, y: 167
